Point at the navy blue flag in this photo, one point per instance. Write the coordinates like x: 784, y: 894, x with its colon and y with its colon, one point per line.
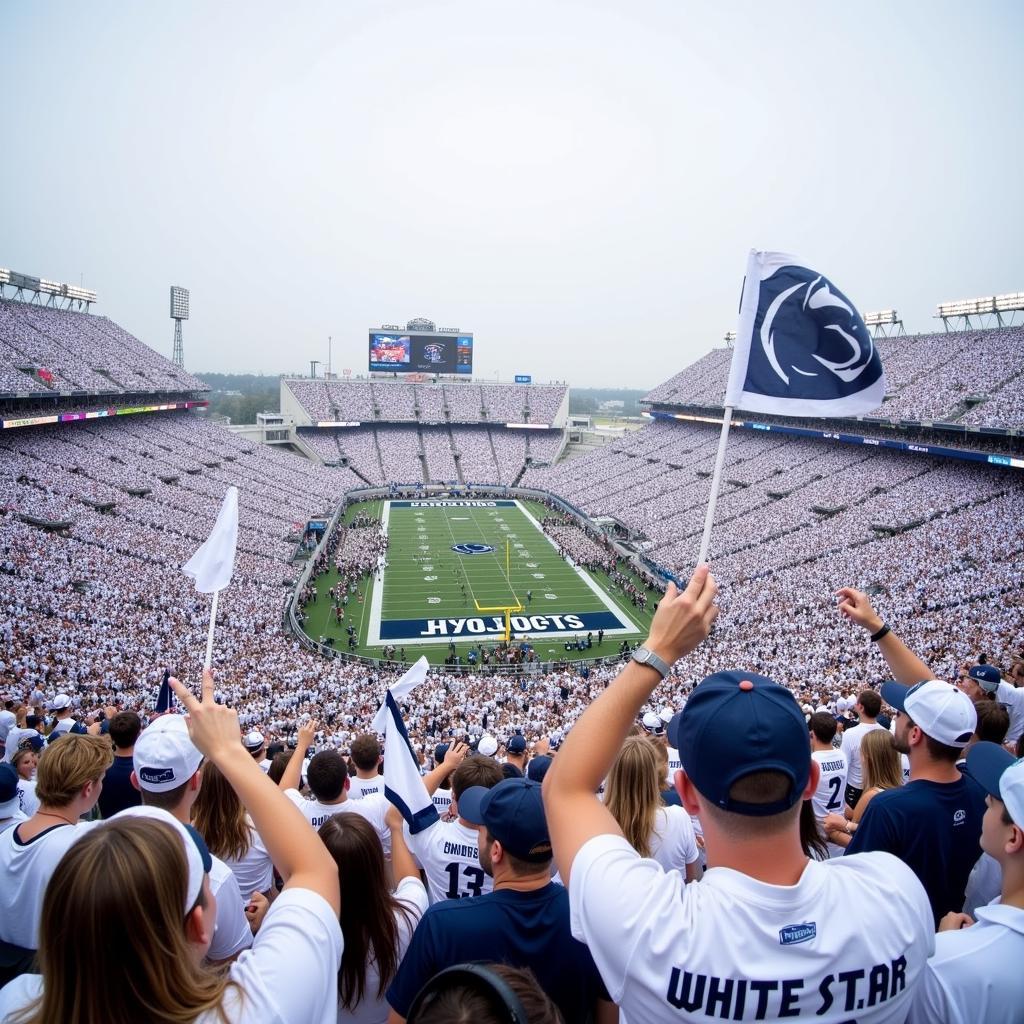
x: 165, y: 698
x: 801, y: 346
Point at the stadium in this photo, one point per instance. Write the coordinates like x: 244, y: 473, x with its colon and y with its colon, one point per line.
x: 494, y: 539
x: 649, y: 649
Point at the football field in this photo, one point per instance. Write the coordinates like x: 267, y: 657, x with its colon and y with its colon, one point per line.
x: 454, y: 566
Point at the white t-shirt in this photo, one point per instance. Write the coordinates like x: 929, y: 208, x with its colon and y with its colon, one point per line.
x: 449, y: 854
x: 1012, y: 698
x: 374, y: 1009
x: 26, y: 868
x: 232, y: 933
x: 290, y: 976
x: 373, y: 807
x: 975, y: 972
x: 851, y: 748
x: 828, y: 797
x: 734, y: 948
x: 442, y: 801
x: 673, y: 842
x: 28, y: 802
x: 675, y: 764
x: 8, y: 720
x: 358, y: 788
x: 255, y: 871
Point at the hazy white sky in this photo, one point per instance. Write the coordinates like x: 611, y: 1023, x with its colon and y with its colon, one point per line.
x: 576, y: 182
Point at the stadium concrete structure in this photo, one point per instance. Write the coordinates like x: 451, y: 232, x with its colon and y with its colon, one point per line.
x: 110, y: 477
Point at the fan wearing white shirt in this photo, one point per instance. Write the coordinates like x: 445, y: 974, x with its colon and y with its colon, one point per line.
x: 868, y: 708
x: 974, y: 973
x: 758, y: 938
x: 828, y: 797
x: 366, y: 757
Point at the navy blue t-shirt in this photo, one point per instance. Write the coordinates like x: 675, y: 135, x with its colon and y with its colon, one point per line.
x: 118, y: 792
x: 522, y: 929
x: 934, y: 828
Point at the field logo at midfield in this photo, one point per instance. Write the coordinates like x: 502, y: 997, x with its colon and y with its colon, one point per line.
x: 472, y: 549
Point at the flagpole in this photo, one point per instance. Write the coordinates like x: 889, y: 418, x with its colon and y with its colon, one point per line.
x: 209, y: 636
x: 716, y: 480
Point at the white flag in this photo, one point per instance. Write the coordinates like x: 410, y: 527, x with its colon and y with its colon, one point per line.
x: 212, y: 565
x: 403, y: 784
x: 801, y: 347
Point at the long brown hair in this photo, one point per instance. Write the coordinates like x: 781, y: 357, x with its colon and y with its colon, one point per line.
x: 881, y: 761
x: 219, y: 816
x: 112, y: 943
x: 368, y: 906
x: 633, y: 792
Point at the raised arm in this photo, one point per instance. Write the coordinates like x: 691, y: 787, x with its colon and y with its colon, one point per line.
x: 296, y: 850
x: 453, y: 757
x: 293, y: 770
x: 906, y: 667
x: 574, y: 812
x: 402, y: 863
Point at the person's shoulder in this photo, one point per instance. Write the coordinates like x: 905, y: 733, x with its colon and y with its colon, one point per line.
x: 888, y: 876
x: 18, y: 992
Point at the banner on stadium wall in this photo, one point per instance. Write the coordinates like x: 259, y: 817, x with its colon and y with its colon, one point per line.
x: 92, y: 414
x: 940, y: 451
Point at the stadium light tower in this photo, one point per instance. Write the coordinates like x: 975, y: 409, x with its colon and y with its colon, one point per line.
x: 179, y: 312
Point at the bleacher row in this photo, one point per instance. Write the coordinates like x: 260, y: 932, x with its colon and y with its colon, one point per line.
x: 970, y: 377
x: 46, y: 351
x: 451, y: 455
x: 396, y: 401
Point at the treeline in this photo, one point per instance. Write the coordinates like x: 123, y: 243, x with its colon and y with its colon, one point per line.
x: 586, y: 401
x: 242, y: 395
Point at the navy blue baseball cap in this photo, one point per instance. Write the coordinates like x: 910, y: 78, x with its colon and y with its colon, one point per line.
x: 986, y: 676
x: 439, y: 751
x: 738, y: 723
x: 517, y: 744
x: 513, y: 813
x: 538, y: 768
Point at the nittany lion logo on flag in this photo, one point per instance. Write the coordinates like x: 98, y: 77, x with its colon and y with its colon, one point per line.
x: 801, y: 346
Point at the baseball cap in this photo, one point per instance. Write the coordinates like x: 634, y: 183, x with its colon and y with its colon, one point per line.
x: 439, y: 751
x: 8, y: 791
x: 253, y: 741
x: 665, y: 714
x: 938, y: 709
x: 986, y: 676
x: 652, y: 723
x: 513, y: 812
x: 196, y: 852
x: 517, y: 744
x: 488, y: 745
x: 538, y: 768
x: 736, y: 724
x: 164, y: 756
x: 1001, y: 775
x: 60, y: 702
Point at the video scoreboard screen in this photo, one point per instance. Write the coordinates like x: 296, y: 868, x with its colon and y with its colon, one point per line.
x: 420, y: 352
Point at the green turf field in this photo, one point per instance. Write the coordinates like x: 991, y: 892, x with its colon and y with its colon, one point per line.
x: 453, y: 566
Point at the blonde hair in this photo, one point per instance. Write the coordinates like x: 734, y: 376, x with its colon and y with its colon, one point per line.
x: 112, y: 942
x: 220, y: 817
x: 881, y: 761
x: 633, y: 793
x: 67, y: 764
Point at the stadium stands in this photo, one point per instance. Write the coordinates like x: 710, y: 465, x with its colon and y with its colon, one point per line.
x: 53, y: 351
x: 975, y: 377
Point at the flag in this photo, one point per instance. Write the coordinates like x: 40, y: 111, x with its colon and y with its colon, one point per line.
x: 801, y: 347
x: 212, y: 565
x: 165, y: 698
x: 403, y: 784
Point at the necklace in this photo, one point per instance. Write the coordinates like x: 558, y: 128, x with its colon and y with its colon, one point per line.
x: 50, y: 814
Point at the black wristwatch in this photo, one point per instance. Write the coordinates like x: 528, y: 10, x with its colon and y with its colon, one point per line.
x: 643, y: 656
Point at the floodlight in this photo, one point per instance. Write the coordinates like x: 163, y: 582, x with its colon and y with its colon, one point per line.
x: 884, y: 316
x: 5, y: 276
x: 179, y: 303
x: 730, y: 336
x: 1010, y: 303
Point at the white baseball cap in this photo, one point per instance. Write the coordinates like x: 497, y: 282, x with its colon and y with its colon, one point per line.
x: 940, y: 710
x: 196, y: 853
x: 652, y: 723
x: 164, y: 756
x: 252, y: 741
x: 487, y: 746
x: 60, y: 702
x: 666, y: 714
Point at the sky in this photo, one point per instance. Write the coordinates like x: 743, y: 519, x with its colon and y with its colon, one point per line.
x: 578, y: 183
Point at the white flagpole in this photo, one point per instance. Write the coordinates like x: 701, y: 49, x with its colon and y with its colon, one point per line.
x: 737, y: 371
x: 716, y: 481
x: 208, y: 663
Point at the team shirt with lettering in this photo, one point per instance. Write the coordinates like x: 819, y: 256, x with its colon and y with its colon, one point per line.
x: 735, y: 948
x: 372, y: 807
x: 829, y: 796
x: 450, y: 857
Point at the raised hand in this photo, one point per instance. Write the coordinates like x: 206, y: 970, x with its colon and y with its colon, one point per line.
x: 212, y: 727
x: 683, y: 619
x: 855, y: 606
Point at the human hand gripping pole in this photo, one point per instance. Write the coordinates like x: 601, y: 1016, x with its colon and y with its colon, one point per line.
x: 296, y: 850
x: 574, y: 813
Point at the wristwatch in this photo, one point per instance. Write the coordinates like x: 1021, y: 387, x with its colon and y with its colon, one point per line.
x: 643, y: 656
